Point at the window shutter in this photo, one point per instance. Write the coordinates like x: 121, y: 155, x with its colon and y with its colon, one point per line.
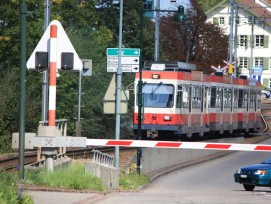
x: 215, y: 20
x: 266, y: 41
x: 266, y: 82
x: 266, y: 63
x: 229, y: 20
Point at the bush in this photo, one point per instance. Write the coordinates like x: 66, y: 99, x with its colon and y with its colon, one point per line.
x: 5, y: 144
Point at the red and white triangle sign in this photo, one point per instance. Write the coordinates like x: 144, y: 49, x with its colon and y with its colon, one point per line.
x: 63, y: 45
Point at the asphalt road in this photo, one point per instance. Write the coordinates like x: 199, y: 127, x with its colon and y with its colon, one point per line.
x: 209, y: 182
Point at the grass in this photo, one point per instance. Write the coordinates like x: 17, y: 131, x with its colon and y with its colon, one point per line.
x: 133, y: 181
x: 73, y: 177
x: 9, y: 193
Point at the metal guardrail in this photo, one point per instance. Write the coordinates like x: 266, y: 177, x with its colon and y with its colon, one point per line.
x: 102, y: 158
x: 61, y: 124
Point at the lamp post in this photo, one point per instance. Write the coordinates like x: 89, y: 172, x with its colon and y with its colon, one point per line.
x: 180, y: 17
x: 23, y: 11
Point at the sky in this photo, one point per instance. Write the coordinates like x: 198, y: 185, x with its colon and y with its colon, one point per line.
x: 165, y: 4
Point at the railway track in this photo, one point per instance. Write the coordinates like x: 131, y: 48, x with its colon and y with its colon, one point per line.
x: 9, y: 162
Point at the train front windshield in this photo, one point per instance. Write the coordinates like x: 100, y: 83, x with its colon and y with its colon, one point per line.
x: 158, y: 95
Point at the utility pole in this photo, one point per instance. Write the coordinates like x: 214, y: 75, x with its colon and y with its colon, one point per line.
x: 231, y: 35
x: 23, y: 11
x: 236, y: 39
x: 157, y: 28
x: 251, y: 46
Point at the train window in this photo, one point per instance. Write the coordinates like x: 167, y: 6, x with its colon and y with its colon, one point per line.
x: 245, y: 98
x: 158, y: 95
x: 187, y: 102
x: 235, y: 98
x: 218, y: 97
x: 196, y: 97
x: 240, y: 98
x: 179, y: 103
x: 259, y: 100
x: 182, y: 96
x: 213, y: 96
x: 252, y: 98
x: 227, y: 98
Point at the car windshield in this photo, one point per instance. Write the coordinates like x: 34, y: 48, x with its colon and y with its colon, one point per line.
x: 158, y: 95
x: 267, y: 161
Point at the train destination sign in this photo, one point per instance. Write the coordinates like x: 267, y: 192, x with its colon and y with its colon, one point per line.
x: 129, y: 59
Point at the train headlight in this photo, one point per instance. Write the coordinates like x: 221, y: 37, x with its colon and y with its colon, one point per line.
x: 167, y: 118
x: 156, y: 76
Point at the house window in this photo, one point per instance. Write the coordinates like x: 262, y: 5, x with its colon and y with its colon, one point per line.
x: 259, y: 40
x: 243, y: 62
x: 243, y: 41
x: 221, y: 20
x: 148, y: 4
x: 258, y: 62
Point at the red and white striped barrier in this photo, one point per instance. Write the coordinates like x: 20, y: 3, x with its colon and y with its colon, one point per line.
x: 52, y: 76
x: 179, y: 145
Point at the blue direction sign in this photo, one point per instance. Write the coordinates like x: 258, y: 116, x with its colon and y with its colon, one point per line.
x: 126, y: 52
x: 129, y: 59
x: 257, y: 70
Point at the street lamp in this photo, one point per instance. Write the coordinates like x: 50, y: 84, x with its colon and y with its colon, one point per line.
x: 180, y: 16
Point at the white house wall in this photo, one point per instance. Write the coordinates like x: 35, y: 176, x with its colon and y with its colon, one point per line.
x: 244, y: 28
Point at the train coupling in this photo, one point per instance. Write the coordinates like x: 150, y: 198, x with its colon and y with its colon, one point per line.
x: 152, y: 134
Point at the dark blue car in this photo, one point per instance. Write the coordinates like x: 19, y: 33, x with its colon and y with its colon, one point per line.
x: 254, y: 175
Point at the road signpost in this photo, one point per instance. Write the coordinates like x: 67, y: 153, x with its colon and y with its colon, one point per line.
x: 129, y: 59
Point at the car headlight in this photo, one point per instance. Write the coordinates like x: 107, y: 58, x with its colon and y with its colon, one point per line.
x: 260, y: 172
x: 238, y: 171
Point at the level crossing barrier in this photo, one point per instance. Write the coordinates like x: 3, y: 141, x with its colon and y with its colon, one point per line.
x: 179, y: 145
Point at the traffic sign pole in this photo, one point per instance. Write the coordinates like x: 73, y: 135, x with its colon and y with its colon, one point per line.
x: 118, y: 89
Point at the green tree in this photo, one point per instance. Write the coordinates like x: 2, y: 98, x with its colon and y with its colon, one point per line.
x: 194, y: 41
x: 91, y: 30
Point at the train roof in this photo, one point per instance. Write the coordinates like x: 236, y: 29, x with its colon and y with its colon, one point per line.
x: 186, y: 71
x: 169, y: 66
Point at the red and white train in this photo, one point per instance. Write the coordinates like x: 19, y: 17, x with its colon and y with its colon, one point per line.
x: 179, y: 101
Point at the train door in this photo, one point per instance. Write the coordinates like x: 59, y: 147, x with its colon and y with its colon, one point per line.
x: 206, y: 105
x: 189, y: 90
x: 204, y: 120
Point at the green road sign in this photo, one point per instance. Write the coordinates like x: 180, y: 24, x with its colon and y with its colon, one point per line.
x: 129, y: 59
x: 126, y: 52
